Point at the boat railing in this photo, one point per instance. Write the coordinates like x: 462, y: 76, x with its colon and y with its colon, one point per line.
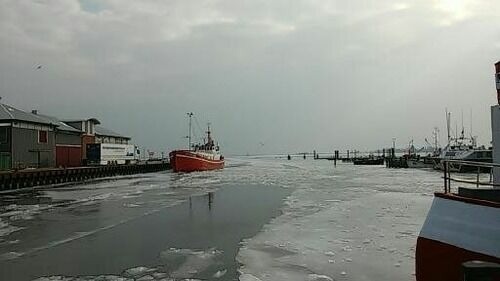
x: 476, y: 176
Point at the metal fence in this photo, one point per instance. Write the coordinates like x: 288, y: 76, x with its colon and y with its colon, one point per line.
x: 475, y: 176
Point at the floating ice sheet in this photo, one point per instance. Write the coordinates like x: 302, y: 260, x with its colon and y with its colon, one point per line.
x: 339, y: 228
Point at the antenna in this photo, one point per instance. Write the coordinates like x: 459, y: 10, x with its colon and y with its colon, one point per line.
x: 209, y: 137
x: 435, y: 134
x: 471, y: 135
x: 463, y: 130
x: 448, y: 117
x: 190, y: 115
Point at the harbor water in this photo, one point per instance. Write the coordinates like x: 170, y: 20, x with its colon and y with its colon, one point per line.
x: 258, y: 219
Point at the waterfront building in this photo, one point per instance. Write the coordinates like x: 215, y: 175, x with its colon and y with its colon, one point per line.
x: 111, y: 148
x: 88, y: 132
x: 34, y: 140
x: 104, y: 135
x: 26, y: 140
x: 68, y: 142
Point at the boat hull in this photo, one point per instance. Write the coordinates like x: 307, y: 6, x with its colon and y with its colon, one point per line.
x: 375, y: 161
x: 186, y: 161
x: 456, y: 230
x: 418, y: 164
x: 464, y: 168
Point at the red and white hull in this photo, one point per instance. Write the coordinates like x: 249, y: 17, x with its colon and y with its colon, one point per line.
x: 457, y: 229
x: 190, y: 161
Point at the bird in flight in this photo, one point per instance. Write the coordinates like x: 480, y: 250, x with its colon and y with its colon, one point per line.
x: 39, y: 67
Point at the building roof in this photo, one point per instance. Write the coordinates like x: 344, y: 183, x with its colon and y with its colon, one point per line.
x: 8, y: 112
x: 101, y: 131
x: 61, y: 126
x: 80, y: 120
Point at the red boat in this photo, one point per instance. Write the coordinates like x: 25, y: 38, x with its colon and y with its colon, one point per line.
x: 460, y: 227
x: 463, y: 227
x: 199, y: 157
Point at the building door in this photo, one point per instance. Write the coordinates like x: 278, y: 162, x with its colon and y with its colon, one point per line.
x: 4, y: 161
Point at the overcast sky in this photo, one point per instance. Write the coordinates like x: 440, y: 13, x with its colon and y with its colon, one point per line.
x: 271, y: 76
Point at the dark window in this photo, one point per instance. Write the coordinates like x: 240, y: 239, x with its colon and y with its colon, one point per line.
x: 3, y: 135
x: 42, y: 137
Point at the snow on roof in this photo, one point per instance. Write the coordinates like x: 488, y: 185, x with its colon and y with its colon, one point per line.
x: 8, y: 112
x: 99, y: 130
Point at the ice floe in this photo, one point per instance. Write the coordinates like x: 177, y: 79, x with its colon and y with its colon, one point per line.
x: 196, y: 261
x: 350, y: 218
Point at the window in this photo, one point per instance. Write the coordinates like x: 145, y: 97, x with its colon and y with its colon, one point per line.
x: 3, y: 135
x: 42, y: 137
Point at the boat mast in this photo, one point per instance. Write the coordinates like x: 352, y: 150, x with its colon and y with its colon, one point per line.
x: 435, y: 134
x: 209, y: 136
x: 473, y: 139
x: 190, y: 115
x: 463, y: 128
x: 448, y: 117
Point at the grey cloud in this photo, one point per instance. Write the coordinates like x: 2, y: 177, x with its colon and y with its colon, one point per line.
x: 294, y: 75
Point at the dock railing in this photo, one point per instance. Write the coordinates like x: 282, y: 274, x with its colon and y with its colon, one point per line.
x: 475, y: 176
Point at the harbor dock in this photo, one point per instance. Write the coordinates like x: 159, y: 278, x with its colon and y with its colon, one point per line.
x: 14, y: 180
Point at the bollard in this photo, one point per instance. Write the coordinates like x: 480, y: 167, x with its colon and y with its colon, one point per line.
x: 481, y: 271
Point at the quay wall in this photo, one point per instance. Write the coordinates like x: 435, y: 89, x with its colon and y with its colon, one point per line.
x: 14, y: 180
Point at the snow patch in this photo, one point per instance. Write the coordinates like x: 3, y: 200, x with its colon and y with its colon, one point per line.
x: 248, y: 277
x: 220, y: 273
x: 196, y: 261
x: 317, y: 277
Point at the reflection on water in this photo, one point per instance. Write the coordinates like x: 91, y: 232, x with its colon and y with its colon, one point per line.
x: 210, y: 200
x: 196, y: 239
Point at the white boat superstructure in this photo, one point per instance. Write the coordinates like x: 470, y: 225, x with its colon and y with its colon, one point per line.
x: 462, y: 148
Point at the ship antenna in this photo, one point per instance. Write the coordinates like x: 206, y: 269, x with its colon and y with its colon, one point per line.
x: 209, y: 138
x: 448, y: 117
x: 471, y: 135
x: 435, y: 134
x: 190, y: 115
x: 463, y: 129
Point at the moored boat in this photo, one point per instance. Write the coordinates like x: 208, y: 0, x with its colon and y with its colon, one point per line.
x: 462, y: 148
x: 371, y: 160
x: 460, y: 227
x: 464, y: 226
x: 419, y: 163
x: 464, y: 153
x: 202, y: 157
x: 190, y: 161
